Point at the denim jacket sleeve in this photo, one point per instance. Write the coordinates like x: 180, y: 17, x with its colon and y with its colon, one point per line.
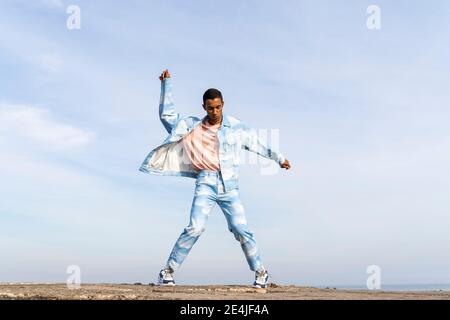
x: 251, y: 142
x: 169, y: 117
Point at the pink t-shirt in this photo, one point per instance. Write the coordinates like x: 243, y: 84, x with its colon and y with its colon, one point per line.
x: 202, y: 146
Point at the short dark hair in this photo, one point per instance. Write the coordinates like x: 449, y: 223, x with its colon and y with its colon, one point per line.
x: 212, y: 93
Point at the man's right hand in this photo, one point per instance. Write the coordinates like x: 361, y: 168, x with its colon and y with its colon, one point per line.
x: 165, y: 74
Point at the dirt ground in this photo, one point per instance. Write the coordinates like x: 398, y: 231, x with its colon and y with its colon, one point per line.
x: 215, y: 292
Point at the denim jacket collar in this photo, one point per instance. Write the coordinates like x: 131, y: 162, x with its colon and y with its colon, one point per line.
x: 225, y: 121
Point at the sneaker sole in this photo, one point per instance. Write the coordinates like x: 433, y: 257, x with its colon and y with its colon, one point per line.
x: 166, y: 284
x: 260, y: 287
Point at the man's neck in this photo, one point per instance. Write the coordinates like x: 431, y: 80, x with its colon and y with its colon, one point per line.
x: 212, y: 124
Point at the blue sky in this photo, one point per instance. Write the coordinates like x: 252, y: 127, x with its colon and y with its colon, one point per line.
x: 362, y: 115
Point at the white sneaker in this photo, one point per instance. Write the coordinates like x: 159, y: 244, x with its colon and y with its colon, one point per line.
x: 261, y: 279
x: 165, y: 277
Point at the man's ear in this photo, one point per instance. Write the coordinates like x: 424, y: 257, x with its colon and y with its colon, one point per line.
x: 203, y: 105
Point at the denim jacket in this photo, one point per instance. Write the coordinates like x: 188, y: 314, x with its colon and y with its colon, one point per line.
x: 170, y: 158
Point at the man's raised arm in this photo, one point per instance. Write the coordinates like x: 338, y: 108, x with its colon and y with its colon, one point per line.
x: 167, y: 114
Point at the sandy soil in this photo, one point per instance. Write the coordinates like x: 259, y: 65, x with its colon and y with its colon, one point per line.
x: 231, y: 292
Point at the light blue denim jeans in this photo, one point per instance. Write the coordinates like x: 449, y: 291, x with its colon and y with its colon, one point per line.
x: 209, y: 189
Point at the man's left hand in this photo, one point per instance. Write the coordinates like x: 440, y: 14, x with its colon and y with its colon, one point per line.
x: 285, y: 165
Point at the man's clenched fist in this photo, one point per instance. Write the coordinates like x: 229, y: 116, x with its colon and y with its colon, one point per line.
x: 164, y: 74
x: 285, y: 165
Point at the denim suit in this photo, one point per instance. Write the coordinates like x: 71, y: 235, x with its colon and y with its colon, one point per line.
x: 221, y: 187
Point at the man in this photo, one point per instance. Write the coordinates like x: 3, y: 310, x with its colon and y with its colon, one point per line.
x: 207, y: 149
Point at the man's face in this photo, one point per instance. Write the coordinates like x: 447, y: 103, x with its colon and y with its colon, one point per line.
x: 213, y: 108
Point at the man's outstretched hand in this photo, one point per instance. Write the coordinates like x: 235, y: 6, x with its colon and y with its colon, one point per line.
x: 164, y: 74
x: 285, y: 165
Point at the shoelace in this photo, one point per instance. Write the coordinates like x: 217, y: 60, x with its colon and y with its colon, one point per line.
x: 168, y: 270
x: 270, y: 277
x: 167, y: 273
x: 261, y: 276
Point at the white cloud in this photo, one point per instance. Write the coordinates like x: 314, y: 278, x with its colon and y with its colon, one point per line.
x: 37, y: 124
x: 50, y: 62
x: 52, y: 3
